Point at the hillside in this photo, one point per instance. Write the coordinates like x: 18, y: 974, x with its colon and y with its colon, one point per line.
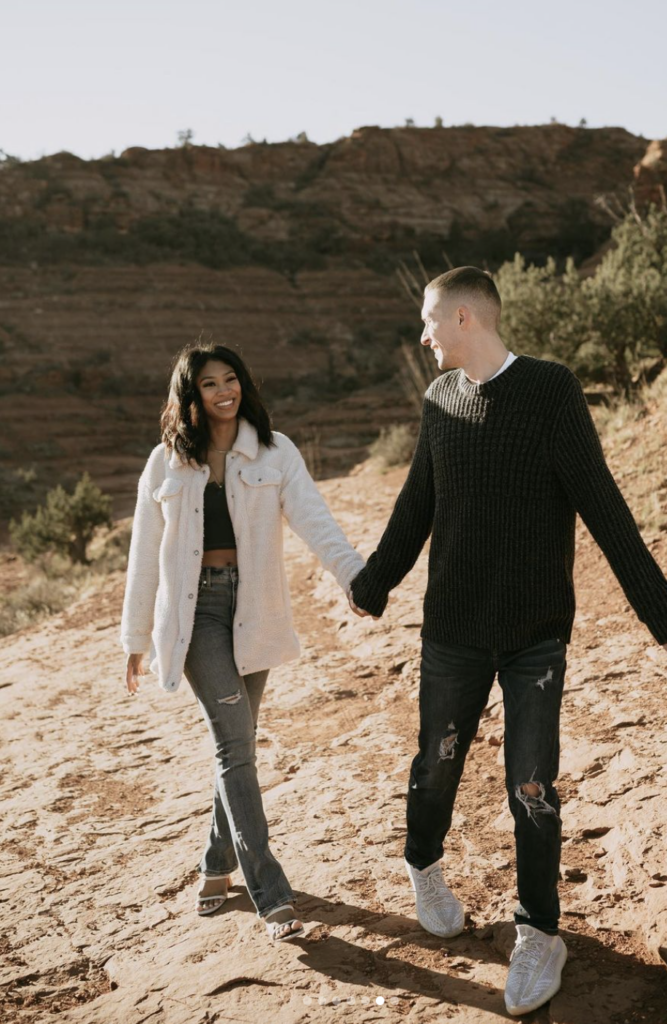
x: 107, y: 799
x: 289, y: 251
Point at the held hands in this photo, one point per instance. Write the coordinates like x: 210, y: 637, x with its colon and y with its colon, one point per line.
x: 135, y: 669
x: 359, y: 611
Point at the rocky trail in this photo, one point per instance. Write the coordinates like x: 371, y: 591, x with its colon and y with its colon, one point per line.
x: 106, y: 800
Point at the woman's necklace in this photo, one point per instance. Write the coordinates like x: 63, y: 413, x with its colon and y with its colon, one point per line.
x: 219, y: 483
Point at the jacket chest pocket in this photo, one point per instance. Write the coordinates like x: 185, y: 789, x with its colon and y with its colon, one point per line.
x: 170, y: 495
x: 261, y: 486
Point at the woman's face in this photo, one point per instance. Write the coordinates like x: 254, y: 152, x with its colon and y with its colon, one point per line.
x: 220, y: 392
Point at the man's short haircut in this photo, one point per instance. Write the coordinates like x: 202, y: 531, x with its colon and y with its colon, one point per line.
x: 470, y: 284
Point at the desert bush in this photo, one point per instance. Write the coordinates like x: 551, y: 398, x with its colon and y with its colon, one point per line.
x: 420, y: 370
x: 605, y: 327
x: 20, y: 489
x: 109, y: 550
x: 66, y: 522
x: 54, y: 581
x: 541, y: 308
x: 35, y: 600
x: 625, y: 302
x: 394, y: 446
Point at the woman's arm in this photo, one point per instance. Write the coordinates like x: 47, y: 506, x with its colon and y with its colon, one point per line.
x: 308, y: 514
x: 142, y: 570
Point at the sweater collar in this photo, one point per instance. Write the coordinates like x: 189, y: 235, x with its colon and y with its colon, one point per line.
x: 247, y: 443
x: 487, y: 387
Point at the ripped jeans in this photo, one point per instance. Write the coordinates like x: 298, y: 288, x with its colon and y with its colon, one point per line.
x: 229, y: 704
x: 455, y: 686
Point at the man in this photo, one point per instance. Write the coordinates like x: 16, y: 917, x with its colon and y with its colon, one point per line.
x: 507, y: 455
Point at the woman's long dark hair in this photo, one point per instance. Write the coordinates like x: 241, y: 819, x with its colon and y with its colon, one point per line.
x: 183, y: 421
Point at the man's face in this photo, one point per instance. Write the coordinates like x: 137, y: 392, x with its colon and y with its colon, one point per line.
x: 441, y: 328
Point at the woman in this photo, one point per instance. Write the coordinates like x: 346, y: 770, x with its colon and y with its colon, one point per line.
x: 207, y: 593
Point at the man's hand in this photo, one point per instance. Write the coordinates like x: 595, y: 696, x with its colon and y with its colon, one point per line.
x: 359, y: 611
x: 135, y: 669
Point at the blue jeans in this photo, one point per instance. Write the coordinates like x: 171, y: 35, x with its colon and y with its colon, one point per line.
x: 454, y: 690
x: 229, y: 703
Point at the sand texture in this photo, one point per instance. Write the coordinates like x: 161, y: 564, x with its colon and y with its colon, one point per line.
x: 106, y: 801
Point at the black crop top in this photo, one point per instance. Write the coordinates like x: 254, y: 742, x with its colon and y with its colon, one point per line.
x: 218, y: 529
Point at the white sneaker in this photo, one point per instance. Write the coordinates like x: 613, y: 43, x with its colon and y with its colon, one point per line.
x: 438, y: 910
x: 535, y: 965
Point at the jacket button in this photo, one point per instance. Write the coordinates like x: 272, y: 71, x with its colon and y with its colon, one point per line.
x: 196, y: 510
x: 190, y: 595
x: 240, y: 623
x: 196, y: 552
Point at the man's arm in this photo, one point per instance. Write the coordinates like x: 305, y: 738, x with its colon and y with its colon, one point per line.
x: 406, y: 532
x: 581, y: 467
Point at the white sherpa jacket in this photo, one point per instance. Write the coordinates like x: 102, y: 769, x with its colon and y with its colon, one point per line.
x: 262, y: 485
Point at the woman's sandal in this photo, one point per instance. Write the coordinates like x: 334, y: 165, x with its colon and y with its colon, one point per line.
x: 217, y: 900
x: 279, y: 919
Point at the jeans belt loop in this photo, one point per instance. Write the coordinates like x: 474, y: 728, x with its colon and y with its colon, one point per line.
x: 208, y: 576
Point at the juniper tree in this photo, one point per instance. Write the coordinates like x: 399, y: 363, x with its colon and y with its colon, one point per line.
x: 65, y: 523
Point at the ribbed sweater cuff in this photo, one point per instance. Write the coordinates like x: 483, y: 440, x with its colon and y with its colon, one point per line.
x: 367, y: 595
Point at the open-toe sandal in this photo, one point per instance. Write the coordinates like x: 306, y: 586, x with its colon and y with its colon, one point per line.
x: 281, y: 918
x: 211, y: 903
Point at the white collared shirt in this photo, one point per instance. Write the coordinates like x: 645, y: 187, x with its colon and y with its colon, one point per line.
x: 508, y: 362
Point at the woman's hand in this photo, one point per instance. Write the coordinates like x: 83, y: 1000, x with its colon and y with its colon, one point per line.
x: 135, y: 669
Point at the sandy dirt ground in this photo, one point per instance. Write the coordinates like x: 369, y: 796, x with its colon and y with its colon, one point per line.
x: 106, y: 802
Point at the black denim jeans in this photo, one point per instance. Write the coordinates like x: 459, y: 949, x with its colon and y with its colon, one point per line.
x: 454, y: 690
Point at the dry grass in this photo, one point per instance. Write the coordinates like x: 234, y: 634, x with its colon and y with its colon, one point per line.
x: 53, y: 582
x: 394, y: 446
x: 634, y: 437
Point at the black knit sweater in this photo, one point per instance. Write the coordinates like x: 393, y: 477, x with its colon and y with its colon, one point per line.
x: 499, y: 472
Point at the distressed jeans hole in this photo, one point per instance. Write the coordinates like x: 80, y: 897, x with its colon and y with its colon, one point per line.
x: 234, y: 699
x: 448, y: 744
x: 545, y: 679
x: 531, y: 795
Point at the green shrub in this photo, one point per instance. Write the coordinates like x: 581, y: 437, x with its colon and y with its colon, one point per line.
x: 626, y: 299
x: 606, y: 327
x: 542, y: 309
x: 66, y: 522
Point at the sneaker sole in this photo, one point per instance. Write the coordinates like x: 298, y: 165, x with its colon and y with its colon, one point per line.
x: 442, y: 935
x: 516, y: 1011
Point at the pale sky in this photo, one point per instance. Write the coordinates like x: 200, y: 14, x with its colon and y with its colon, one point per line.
x: 92, y: 76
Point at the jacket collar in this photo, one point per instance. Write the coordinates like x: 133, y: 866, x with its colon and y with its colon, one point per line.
x: 247, y: 443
